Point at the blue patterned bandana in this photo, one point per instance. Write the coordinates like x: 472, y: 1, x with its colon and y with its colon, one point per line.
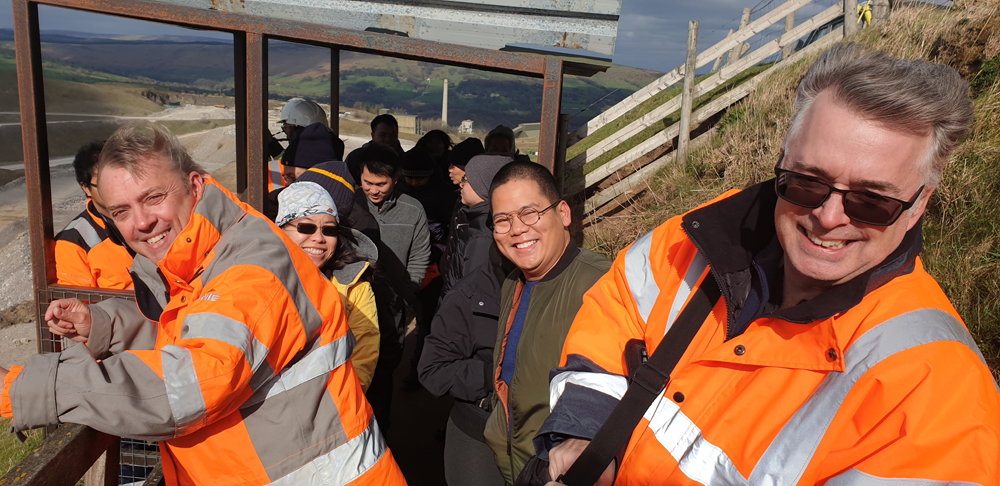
x: 304, y: 199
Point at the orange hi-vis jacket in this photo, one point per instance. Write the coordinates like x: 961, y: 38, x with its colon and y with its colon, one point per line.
x: 243, y: 375
x: 873, y: 382
x: 86, y: 257
x: 274, y: 178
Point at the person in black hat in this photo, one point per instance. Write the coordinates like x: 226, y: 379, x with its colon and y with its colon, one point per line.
x: 316, y: 144
x: 460, y: 156
x: 424, y: 182
x: 439, y: 144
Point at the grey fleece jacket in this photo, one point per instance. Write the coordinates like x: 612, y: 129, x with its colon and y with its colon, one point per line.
x: 403, y: 225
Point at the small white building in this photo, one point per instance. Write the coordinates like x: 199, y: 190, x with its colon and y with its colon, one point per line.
x: 465, y: 127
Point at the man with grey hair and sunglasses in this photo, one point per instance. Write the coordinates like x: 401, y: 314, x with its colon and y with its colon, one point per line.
x: 821, y: 351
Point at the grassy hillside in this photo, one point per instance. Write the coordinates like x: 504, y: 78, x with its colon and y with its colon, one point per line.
x: 962, y: 223
x: 366, y: 81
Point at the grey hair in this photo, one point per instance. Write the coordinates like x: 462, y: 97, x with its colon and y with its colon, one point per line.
x: 912, y: 96
x: 134, y: 143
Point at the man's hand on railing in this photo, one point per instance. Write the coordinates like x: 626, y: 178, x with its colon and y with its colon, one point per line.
x: 69, y: 318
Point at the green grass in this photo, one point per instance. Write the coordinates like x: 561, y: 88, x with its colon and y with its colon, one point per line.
x: 646, y: 107
x: 12, y: 451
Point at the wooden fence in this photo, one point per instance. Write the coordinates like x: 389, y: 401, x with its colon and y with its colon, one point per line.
x: 576, y: 180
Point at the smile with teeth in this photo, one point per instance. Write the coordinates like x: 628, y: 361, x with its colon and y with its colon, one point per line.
x: 526, y: 244
x: 314, y: 251
x: 828, y: 244
x: 156, y: 239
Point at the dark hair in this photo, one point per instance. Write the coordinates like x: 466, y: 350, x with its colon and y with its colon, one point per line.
x: 86, y: 160
x: 436, y: 135
x: 378, y: 120
x: 520, y: 171
x: 380, y: 160
x: 343, y: 256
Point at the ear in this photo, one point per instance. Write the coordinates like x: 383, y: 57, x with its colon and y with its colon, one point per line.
x: 918, y: 209
x: 197, y: 184
x: 86, y: 189
x: 565, y: 213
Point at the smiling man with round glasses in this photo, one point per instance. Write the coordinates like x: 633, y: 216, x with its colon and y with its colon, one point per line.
x: 832, y: 357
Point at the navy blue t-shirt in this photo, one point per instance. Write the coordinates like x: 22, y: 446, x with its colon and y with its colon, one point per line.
x: 514, y: 336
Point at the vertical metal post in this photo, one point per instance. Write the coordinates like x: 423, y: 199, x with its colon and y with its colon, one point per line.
x: 850, y: 17
x: 548, y: 137
x: 240, y: 73
x: 737, y: 52
x: 335, y: 91
x: 560, y: 167
x: 789, y: 25
x: 684, y: 136
x: 256, y: 102
x: 35, y: 142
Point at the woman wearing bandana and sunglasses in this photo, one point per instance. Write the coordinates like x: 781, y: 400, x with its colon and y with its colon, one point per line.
x: 309, y: 217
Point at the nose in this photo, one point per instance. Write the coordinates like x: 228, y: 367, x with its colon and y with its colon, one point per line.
x: 517, y: 227
x: 317, y: 235
x: 144, y: 220
x: 831, y: 214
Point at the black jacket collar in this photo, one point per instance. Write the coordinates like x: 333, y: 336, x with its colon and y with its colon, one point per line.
x: 730, y: 232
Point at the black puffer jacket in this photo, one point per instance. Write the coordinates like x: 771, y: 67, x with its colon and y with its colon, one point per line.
x: 458, y: 354
x: 468, y: 244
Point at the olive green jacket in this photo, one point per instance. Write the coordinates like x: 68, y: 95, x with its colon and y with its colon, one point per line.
x: 554, y: 303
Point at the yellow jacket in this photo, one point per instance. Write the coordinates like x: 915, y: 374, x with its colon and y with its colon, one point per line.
x: 359, y: 302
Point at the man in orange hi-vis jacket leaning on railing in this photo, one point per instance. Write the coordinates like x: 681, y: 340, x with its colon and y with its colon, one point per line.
x: 235, y: 354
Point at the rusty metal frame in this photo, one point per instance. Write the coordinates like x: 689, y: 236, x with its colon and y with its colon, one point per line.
x: 251, y: 35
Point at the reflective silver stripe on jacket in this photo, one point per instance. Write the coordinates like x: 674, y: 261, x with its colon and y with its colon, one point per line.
x: 187, y: 404
x: 86, y: 230
x: 611, y: 385
x: 639, y: 276
x: 343, y: 464
x: 858, y: 478
x: 697, y: 267
x: 208, y: 325
x: 786, y: 459
x: 642, y: 283
x: 792, y: 450
x: 319, y: 362
x: 275, y: 167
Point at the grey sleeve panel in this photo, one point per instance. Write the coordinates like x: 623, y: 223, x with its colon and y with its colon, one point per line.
x: 420, y: 251
x: 120, y: 395
x: 101, y: 329
x: 119, y: 326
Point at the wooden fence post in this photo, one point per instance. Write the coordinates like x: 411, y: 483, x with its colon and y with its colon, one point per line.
x: 718, y: 61
x: 850, y: 17
x: 684, y: 135
x: 789, y: 25
x: 738, y: 51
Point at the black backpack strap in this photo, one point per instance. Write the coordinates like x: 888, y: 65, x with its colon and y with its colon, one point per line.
x: 647, y: 384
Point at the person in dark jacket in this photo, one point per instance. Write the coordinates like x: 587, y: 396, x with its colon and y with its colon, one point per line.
x: 439, y: 144
x: 335, y: 178
x: 537, y: 305
x: 457, y: 361
x: 423, y: 181
x: 473, y: 239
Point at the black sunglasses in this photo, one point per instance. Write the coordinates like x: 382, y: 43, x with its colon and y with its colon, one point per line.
x: 310, y: 229
x: 861, y: 206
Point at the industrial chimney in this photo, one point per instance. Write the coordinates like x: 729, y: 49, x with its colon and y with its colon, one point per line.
x: 444, y: 105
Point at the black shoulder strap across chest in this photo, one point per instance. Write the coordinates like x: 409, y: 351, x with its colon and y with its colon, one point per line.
x: 647, y: 384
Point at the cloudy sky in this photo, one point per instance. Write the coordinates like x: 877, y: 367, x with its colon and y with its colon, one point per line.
x: 652, y: 34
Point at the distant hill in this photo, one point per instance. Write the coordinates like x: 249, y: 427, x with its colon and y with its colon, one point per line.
x: 205, y: 64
